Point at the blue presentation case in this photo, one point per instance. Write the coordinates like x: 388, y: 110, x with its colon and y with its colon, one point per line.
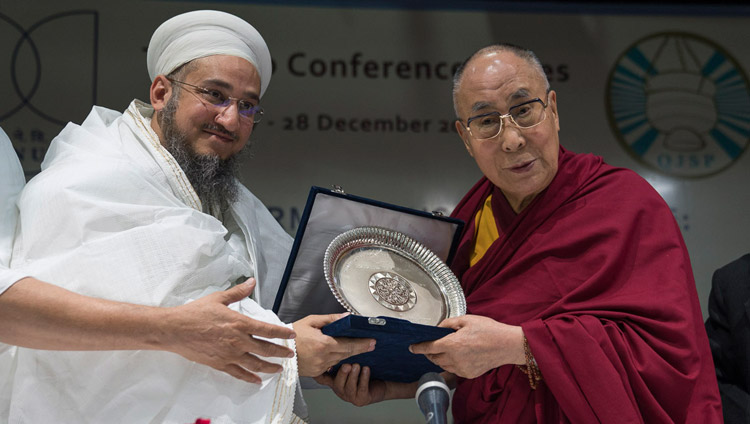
x: 304, y: 290
x: 391, y: 359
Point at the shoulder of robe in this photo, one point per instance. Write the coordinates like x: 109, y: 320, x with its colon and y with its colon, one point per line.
x: 99, y: 178
x: 625, y: 187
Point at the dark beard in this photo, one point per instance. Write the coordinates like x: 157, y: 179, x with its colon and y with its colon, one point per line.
x: 213, y: 178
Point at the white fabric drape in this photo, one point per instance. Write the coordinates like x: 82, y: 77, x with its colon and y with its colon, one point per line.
x: 11, y: 183
x: 113, y: 216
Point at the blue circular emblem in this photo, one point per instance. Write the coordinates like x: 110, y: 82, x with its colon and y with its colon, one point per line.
x: 679, y: 104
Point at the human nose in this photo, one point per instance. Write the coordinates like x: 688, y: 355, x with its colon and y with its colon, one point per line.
x: 229, y: 116
x: 510, y: 137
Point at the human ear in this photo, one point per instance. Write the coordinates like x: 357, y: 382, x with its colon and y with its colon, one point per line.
x: 553, y: 108
x: 160, y: 92
x: 464, y: 136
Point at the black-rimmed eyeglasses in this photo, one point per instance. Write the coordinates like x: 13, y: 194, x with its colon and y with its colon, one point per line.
x: 215, y: 98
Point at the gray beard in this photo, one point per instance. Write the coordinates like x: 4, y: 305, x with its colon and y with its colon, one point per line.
x: 212, y: 178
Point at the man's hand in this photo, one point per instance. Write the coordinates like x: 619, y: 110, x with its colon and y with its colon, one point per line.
x: 317, y: 352
x: 208, y: 332
x: 352, y: 383
x: 478, y: 345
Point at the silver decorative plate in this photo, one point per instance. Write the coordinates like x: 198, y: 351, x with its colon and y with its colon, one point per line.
x: 377, y: 272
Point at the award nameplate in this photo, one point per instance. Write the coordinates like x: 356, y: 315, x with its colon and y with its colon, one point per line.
x: 382, y: 261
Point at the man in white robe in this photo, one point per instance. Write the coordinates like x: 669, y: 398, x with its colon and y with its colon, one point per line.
x: 39, y: 315
x: 114, y: 205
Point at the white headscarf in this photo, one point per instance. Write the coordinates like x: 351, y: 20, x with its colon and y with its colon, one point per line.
x: 202, y: 33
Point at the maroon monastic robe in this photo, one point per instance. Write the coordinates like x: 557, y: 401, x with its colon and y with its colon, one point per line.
x: 596, y: 273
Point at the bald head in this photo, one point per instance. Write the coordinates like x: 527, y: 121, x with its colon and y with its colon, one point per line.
x: 527, y: 55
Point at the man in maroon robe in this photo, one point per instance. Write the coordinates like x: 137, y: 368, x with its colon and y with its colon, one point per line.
x: 582, y: 306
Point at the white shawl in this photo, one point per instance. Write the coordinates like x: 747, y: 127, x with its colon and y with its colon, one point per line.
x: 11, y: 183
x: 113, y: 216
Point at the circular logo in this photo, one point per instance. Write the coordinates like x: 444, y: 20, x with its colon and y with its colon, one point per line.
x: 392, y: 291
x: 679, y: 104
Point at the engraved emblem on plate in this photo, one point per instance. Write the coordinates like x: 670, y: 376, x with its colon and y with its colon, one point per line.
x: 392, y: 291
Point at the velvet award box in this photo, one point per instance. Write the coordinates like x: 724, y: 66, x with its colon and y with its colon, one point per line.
x: 307, y: 287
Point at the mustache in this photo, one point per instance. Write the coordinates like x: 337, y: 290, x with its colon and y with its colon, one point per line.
x: 221, y: 129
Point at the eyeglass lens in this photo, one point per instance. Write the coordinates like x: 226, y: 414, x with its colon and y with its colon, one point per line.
x: 244, y: 108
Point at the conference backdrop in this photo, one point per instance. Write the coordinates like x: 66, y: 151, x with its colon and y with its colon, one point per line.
x: 361, y: 98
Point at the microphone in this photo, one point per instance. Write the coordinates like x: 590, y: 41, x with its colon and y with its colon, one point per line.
x: 433, y: 397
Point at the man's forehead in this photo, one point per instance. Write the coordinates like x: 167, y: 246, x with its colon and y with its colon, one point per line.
x: 499, y: 93
x: 222, y: 61
x: 227, y: 72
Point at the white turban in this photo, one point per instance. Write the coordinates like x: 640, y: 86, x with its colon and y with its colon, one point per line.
x: 202, y: 33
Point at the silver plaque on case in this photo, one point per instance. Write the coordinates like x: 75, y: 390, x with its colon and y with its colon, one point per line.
x: 373, y: 272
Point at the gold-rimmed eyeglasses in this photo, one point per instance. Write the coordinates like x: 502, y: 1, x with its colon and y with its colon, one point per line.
x: 215, y: 98
x: 524, y: 115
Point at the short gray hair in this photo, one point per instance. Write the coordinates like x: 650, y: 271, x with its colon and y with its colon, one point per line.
x: 529, y: 56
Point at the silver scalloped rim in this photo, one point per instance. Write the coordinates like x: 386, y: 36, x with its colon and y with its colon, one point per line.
x: 402, y: 244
